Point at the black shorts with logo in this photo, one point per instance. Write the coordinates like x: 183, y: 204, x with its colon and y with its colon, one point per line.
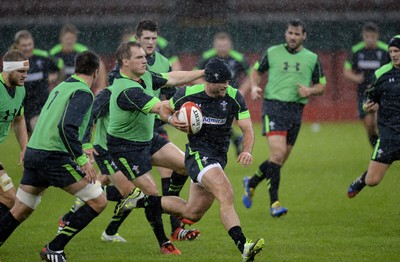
x: 50, y: 168
x: 282, y: 116
x: 196, y: 160
x: 104, y: 161
x: 134, y: 158
x: 386, y: 151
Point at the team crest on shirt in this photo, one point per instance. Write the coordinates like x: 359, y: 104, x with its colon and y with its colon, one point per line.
x: 39, y: 63
x: 224, y: 104
x: 113, y: 165
x: 204, y: 160
x: 271, y: 125
x: 380, y: 152
x: 136, y: 169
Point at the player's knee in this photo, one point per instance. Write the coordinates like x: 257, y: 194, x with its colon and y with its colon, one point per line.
x: 6, y: 182
x: 182, y: 171
x: 90, y: 191
x: 194, y: 217
x: 28, y: 199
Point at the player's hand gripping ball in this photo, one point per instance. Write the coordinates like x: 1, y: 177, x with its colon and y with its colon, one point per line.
x: 191, y: 114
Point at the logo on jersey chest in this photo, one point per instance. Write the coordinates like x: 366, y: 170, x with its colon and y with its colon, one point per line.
x: 224, y: 104
x: 295, y: 67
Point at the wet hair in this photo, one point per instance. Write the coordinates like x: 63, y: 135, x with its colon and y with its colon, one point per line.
x: 22, y: 34
x: 124, y: 51
x: 87, y: 63
x: 69, y: 28
x: 370, y: 27
x: 297, y: 22
x: 222, y: 35
x: 148, y: 25
x: 14, y: 55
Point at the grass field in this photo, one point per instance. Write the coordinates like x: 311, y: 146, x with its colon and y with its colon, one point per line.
x: 322, y: 223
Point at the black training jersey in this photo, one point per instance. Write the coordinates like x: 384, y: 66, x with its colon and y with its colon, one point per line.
x: 218, y: 115
x: 37, y: 84
x: 366, y: 61
x: 385, y: 91
x: 236, y: 62
x: 65, y: 61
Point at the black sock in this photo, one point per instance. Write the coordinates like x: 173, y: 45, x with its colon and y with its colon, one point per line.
x: 79, y: 220
x: 112, y: 193
x: 8, y: 224
x: 116, y: 222
x: 238, y: 237
x: 259, y: 175
x: 150, y: 201
x: 373, y: 139
x: 165, y: 185
x: 359, y: 183
x: 153, y: 215
x: 273, y: 176
x: 3, y: 209
x: 77, y: 204
x: 176, y: 184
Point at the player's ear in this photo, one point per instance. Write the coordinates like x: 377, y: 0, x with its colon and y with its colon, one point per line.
x: 304, y: 35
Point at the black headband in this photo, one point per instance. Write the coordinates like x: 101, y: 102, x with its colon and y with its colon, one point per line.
x: 395, y: 41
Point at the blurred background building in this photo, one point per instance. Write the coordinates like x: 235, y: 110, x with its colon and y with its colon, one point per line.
x: 333, y: 27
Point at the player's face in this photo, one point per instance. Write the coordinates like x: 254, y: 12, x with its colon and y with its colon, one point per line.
x: 26, y: 46
x: 17, y: 77
x: 295, y: 36
x: 137, y: 62
x: 394, y: 53
x: 68, y: 40
x: 148, y: 41
x: 223, y: 46
x: 217, y: 89
x: 370, y: 39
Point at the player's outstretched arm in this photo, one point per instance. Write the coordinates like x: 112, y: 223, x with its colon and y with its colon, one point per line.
x: 176, y: 78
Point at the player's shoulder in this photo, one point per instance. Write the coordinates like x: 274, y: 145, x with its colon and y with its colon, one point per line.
x: 383, y: 70
x: 55, y: 49
x: 40, y: 53
x: 209, y: 54
x: 233, y: 93
x: 161, y: 57
x: 195, y: 89
x: 310, y: 53
x: 358, y: 47
x: 79, y: 48
x: 236, y: 55
x: 276, y: 47
x: 382, y: 46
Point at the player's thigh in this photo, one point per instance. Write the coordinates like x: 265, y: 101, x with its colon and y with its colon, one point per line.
x: 218, y: 184
x: 169, y: 156
x: 200, y: 199
x: 121, y: 182
x: 147, y: 184
x: 164, y: 172
x: 277, y: 145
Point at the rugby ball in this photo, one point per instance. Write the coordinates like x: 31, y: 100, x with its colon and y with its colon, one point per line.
x: 191, y: 114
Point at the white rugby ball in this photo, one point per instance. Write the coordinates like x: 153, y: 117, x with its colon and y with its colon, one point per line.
x: 191, y: 114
